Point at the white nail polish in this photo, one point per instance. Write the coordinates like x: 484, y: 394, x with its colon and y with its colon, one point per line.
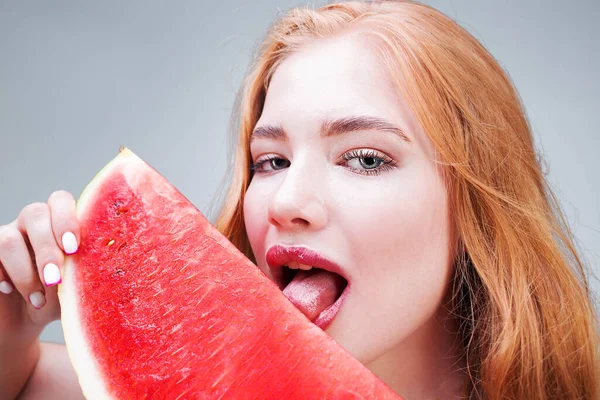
x: 6, y: 287
x: 69, y: 242
x: 37, y: 299
x: 51, y: 275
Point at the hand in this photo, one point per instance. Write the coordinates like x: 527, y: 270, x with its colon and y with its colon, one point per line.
x: 32, y: 253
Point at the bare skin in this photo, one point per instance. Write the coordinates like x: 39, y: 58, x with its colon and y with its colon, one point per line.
x: 53, y: 376
x: 398, y: 251
x: 29, y: 301
x: 368, y: 198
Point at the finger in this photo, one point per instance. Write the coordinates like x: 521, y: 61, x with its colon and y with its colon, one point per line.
x: 17, y: 263
x: 65, y: 225
x: 6, y: 286
x: 35, y: 222
x: 51, y: 310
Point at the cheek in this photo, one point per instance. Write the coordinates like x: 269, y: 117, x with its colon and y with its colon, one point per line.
x: 255, y: 219
x: 401, y: 250
x: 402, y: 242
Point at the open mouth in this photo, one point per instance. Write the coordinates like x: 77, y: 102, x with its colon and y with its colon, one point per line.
x: 316, y: 292
x: 287, y: 276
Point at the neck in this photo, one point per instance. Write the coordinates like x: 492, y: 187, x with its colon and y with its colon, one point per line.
x: 429, y: 364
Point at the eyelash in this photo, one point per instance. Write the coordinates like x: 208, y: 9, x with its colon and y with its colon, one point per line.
x: 386, y: 163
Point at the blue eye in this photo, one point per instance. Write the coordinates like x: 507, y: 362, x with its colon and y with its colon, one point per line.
x: 368, y: 162
x: 276, y: 163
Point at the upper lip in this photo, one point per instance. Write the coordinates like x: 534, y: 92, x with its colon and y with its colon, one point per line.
x: 278, y: 256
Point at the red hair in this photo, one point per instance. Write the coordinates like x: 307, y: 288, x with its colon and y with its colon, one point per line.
x: 528, y: 324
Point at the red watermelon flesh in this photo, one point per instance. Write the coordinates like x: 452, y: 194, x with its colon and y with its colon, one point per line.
x: 157, y: 304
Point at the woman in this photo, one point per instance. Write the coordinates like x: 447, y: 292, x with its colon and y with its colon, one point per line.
x: 385, y: 138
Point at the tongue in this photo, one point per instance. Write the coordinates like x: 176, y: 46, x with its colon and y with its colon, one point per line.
x: 314, y: 290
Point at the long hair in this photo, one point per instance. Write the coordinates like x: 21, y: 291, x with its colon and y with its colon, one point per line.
x: 528, y: 323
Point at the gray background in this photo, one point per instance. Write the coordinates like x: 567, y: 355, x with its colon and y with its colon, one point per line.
x: 79, y: 79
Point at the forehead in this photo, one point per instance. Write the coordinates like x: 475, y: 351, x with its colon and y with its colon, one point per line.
x: 335, y: 78
x: 340, y: 74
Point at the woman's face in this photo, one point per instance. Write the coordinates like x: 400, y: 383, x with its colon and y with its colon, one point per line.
x: 369, y: 197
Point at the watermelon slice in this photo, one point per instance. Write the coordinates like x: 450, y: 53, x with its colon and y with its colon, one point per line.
x: 158, y: 304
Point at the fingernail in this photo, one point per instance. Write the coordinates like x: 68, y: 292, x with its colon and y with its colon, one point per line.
x: 51, y: 275
x: 6, y: 287
x: 37, y: 299
x: 69, y: 242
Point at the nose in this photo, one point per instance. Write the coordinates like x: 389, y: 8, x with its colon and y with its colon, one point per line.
x: 298, y: 202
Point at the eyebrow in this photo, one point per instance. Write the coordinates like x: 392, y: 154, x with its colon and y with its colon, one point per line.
x: 334, y: 127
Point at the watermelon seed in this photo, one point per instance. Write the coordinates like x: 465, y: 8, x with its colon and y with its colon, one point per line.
x: 120, y: 209
x: 112, y: 241
x: 119, y: 271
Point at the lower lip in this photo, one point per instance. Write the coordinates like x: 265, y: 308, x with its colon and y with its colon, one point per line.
x: 325, y: 318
